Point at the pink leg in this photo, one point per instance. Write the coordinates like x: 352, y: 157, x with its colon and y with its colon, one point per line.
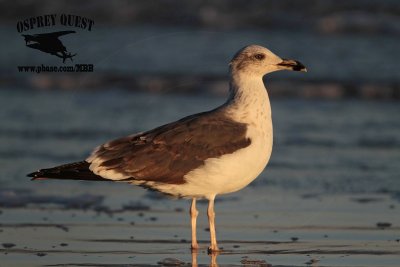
x: 193, y: 216
x: 211, y: 221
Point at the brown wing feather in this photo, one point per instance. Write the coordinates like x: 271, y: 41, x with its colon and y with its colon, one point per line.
x: 168, y: 152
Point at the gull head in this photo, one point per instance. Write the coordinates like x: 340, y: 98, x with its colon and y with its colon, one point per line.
x: 258, y: 60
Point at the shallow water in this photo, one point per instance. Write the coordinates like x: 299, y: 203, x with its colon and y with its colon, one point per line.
x: 332, y: 178
x: 279, y: 228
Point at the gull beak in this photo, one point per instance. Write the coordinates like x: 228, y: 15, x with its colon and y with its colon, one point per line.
x: 292, y: 65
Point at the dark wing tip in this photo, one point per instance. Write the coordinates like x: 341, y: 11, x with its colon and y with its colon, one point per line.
x: 35, y: 175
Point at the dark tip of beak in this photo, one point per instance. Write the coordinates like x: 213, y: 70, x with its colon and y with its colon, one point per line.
x: 292, y: 65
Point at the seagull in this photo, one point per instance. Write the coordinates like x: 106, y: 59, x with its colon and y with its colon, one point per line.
x: 199, y: 156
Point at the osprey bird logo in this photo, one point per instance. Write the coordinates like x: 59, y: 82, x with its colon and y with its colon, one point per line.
x: 49, y: 43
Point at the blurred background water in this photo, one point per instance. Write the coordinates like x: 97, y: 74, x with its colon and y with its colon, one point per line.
x: 320, y: 146
x: 337, y: 128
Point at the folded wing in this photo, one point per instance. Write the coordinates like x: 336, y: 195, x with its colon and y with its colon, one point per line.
x: 167, y: 153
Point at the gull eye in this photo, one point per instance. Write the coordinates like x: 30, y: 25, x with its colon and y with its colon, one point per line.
x: 259, y: 56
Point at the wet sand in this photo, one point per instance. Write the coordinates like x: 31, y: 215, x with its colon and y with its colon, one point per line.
x: 255, y: 227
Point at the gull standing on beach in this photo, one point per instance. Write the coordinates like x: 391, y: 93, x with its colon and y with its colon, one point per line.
x: 200, y: 156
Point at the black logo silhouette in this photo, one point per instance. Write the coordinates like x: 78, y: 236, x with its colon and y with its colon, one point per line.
x: 49, y: 43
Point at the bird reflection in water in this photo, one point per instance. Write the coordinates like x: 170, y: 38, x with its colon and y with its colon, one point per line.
x: 213, y: 258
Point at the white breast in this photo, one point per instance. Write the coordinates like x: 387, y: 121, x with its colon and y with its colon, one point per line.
x: 232, y: 172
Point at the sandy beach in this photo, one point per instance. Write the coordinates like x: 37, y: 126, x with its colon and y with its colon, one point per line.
x: 256, y: 227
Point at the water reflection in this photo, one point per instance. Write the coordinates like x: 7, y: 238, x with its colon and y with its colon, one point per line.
x: 245, y: 260
x: 213, y: 258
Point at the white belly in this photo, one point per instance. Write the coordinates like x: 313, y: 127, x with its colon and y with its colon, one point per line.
x: 228, y: 173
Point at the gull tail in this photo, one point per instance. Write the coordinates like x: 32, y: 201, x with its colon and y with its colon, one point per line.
x: 72, y: 171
